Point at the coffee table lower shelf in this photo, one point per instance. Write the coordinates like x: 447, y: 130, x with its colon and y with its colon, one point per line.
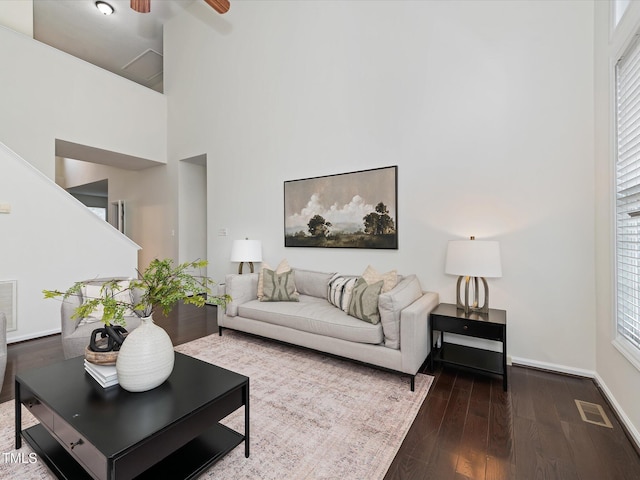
x: 188, y: 462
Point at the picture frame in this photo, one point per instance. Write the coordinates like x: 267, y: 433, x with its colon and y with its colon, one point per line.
x: 8, y: 303
x: 346, y: 210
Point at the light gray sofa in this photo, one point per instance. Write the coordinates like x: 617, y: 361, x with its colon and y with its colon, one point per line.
x: 400, y: 342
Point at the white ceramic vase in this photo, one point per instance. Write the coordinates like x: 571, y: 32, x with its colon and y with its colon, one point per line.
x: 146, y: 357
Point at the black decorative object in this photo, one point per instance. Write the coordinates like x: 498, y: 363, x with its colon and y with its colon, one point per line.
x: 111, y: 339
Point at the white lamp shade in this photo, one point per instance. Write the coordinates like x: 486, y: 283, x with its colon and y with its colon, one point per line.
x: 474, y: 258
x: 246, y: 251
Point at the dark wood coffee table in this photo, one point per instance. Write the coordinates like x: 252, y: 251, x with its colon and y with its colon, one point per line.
x: 172, y: 431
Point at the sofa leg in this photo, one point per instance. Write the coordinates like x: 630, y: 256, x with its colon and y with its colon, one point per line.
x: 413, y: 383
x: 220, y: 331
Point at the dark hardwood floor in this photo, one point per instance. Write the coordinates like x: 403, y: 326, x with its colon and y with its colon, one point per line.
x: 467, y: 428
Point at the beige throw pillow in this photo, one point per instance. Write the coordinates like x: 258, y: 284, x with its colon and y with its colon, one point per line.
x: 364, y: 301
x: 389, y: 279
x: 279, y: 287
x: 282, y: 267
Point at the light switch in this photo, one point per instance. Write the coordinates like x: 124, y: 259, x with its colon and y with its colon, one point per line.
x: 5, y: 208
x: 223, y: 232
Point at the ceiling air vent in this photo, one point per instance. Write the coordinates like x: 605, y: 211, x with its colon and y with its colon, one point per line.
x: 593, y: 413
x: 146, y: 66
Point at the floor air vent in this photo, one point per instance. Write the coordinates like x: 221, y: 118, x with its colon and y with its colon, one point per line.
x: 593, y: 413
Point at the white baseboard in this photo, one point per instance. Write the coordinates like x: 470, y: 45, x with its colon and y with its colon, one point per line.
x: 633, y: 431
x: 527, y: 362
x: 32, y: 336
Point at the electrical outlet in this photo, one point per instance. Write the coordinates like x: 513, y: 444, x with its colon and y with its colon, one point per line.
x: 223, y: 232
x: 5, y: 208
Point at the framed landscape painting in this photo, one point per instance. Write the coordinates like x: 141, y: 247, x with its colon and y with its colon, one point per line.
x: 347, y: 210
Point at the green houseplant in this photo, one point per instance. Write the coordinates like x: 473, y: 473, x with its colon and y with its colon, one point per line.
x: 145, y: 357
x: 159, y: 287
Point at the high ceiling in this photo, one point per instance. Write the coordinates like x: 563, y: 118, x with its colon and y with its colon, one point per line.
x: 126, y: 43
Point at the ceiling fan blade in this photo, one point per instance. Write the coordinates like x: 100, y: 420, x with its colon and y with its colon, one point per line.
x: 220, y: 6
x: 141, y: 6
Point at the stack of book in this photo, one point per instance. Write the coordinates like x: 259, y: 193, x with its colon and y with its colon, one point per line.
x: 105, y: 375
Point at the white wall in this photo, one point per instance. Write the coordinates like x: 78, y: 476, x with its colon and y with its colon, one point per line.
x: 49, y: 241
x: 486, y: 108
x: 193, y: 209
x: 147, y: 205
x: 153, y: 217
x: 47, y: 94
x: 72, y: 173
x: 17, y: 15
x: 618, y: 377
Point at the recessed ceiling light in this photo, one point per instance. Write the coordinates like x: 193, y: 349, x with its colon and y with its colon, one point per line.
x: 104, y: 8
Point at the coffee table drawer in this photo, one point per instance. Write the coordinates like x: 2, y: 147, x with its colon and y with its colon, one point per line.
x: 78, y: 446
x: 38, y: 409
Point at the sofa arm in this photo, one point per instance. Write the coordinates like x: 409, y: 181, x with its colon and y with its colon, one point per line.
x: 241, y: 288
x: 415, y: 343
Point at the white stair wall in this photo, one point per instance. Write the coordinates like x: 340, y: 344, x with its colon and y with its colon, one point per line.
x: 49, y: 240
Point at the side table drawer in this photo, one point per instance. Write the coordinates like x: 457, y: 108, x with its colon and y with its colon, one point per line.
x: 78, y: 446
x: 468, y: 327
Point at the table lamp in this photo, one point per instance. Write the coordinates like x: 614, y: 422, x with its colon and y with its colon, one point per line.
x: 473, y: 259
x: 246, y: 251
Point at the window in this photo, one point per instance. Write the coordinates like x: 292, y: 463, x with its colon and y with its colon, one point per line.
x: 628, y: 199
x: 101, y: 212
x: 619, y: 7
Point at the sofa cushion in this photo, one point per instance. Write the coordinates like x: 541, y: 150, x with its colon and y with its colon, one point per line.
x: 279, y: 287
x: 339, y: 291
x: 392, y: 303
x: 313, y: 315
x: 312, y: 283
x: 282, y: 267
x: 364, y: 301
x: 390, y: 279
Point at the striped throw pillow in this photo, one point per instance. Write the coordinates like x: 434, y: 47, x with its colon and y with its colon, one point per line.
x: 339, y: 291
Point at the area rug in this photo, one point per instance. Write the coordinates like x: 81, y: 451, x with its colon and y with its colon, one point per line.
x: 312, y: 416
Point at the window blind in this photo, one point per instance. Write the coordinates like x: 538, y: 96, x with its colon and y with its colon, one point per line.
x: 628, y: 195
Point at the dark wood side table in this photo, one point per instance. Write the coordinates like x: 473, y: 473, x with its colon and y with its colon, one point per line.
x: 447, y: 318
